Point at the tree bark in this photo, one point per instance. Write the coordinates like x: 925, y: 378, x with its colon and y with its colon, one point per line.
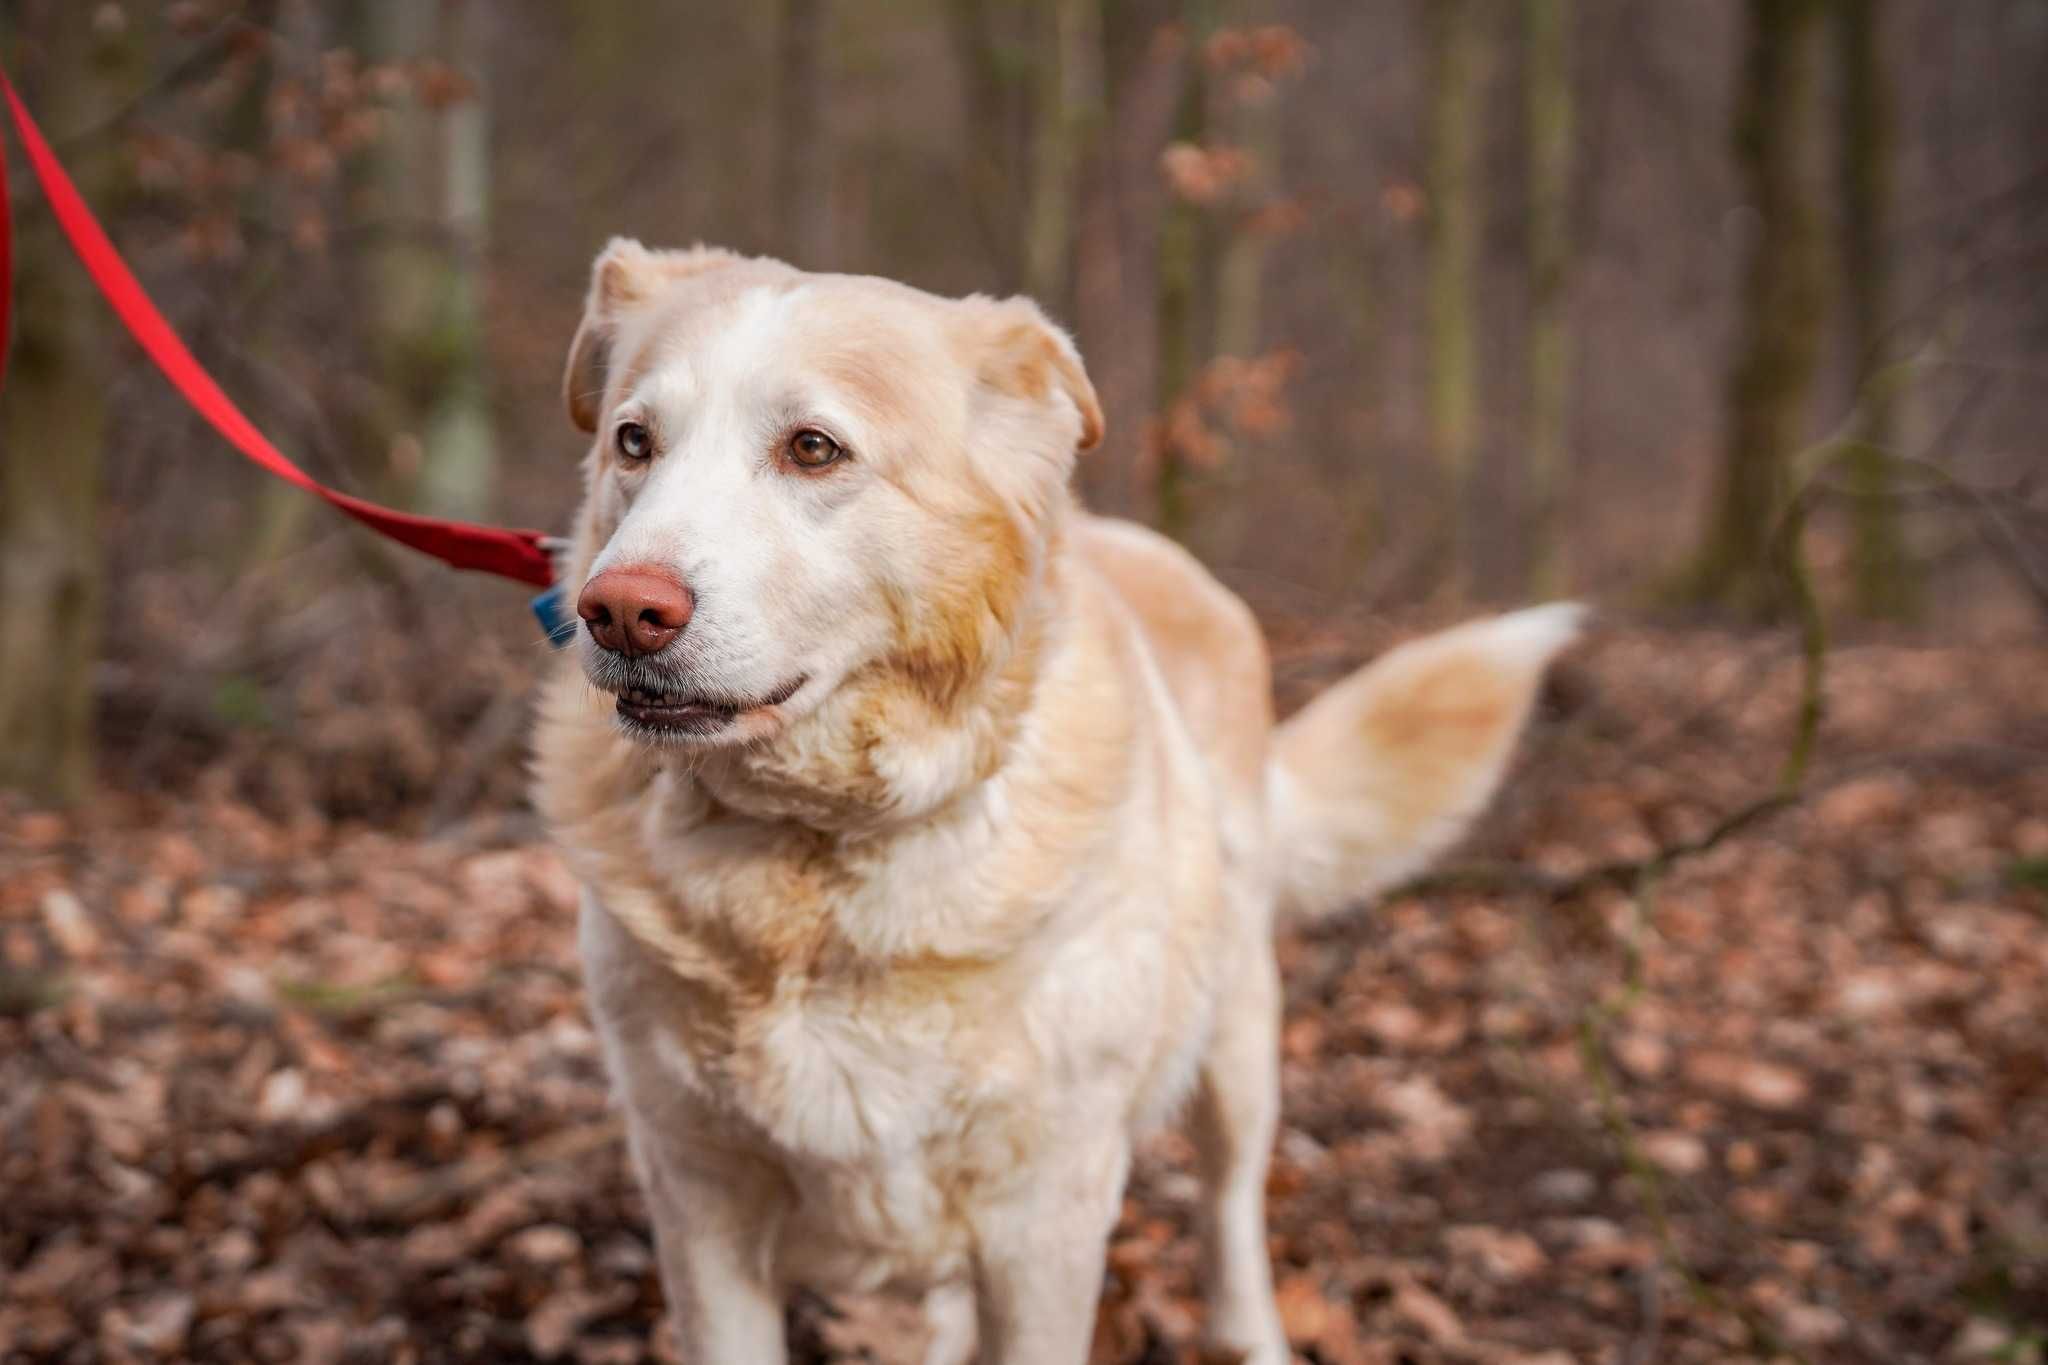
x: 1181, y: 260
x: 433, y: 179
x: 52, y: 427
x: 1784, y: 303
x: 1067, y: 27
x: 1116, y: 268
x: 1549, y: 94
x: 1360, y: 276
x: 1452, y: 244
x: 281, y: 509
x: 1882, y: 576
x: 1241, y: 272
x: 803, y: 153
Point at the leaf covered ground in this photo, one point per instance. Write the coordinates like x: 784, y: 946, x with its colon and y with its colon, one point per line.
x: 279, y: 1087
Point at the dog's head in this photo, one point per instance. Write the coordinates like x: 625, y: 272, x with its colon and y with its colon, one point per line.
x: 797, y: 480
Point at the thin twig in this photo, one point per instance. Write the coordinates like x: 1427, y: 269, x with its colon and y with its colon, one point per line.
x: 1648, y: 1183
x: 1998, y: 532
x: 1813, y: 648
x: 186, y: 70
x: 434, y: 1191
x: 1599, y: 1016
x: 1514, y: 877
x: 1642, y: 1348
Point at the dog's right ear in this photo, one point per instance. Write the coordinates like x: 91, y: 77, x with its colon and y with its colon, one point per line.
x: 1021, y: 355
x: 625, y: 274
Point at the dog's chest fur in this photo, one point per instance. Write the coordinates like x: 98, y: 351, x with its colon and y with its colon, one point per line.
x: 896, y: 1028
x: 899, y: 1025
x: 884, y: 1110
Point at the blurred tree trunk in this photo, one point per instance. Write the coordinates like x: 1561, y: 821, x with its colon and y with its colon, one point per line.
x: 1099, y: 283
x: 1001, y: 72
x: 1245, y: 104
x: 1181, y: 267
x: 1549, y: 94
x: 1033, y: 95
x: 282, y: 510
x: 1058, y: 113
x: 605, y: 38
x: 803, y: 151
x: 1135, y: 90
x: 1452, y: 136
x: 1784, y: 302
x: 1360, y: 275
x: 1883, y: 578
x: 52, y: 428
x: 245, y: 123
x: 1254, y: 126
x: 432, y: 174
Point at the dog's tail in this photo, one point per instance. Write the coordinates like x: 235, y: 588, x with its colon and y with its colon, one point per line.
x: 1379, y: 775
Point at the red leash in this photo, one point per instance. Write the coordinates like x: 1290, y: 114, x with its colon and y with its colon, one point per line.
x: 520, y: 555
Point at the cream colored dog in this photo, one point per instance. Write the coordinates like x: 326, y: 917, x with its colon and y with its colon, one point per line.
x: 932, y: 831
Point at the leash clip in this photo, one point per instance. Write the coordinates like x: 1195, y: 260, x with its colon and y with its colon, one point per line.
x: 551, y: 608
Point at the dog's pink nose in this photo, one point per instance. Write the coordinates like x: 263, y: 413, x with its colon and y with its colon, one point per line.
x: 634, y: 610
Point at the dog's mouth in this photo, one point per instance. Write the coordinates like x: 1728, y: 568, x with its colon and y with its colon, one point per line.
x: 664, y: 712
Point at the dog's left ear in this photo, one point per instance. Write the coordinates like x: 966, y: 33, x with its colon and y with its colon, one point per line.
x: 624, y: 274
x: 1022, y: 355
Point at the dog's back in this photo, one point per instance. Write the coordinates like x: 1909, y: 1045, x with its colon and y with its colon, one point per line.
x: 1380, y: 773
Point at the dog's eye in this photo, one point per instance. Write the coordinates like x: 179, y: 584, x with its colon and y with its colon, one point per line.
x: 814, y: 449
x: 636, y: 442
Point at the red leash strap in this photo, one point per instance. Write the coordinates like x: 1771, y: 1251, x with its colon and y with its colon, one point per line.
x: 512, y: 554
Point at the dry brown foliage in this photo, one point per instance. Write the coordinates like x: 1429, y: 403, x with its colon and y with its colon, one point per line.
x: 274, y: 1086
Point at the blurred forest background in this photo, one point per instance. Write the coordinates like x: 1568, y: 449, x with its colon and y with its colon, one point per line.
x: 1388, y: 303
x: 1724, y: 1040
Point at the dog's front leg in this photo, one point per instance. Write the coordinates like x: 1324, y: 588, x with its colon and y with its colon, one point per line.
x: 1040, y: 1253
x: 714, y: 1233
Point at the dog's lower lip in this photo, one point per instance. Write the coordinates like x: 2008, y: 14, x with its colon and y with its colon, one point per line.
x: 659, y: 714
x: 682, y: 712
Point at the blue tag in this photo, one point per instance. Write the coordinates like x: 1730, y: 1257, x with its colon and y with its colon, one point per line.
x: 551, y: 609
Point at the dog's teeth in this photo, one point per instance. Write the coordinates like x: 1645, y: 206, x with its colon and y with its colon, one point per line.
x: 641, y: 696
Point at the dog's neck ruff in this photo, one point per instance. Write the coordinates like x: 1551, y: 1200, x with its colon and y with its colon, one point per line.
x: 883, y: 753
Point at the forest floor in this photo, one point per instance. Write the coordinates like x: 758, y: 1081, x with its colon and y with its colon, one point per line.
x: 280, y: 1087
